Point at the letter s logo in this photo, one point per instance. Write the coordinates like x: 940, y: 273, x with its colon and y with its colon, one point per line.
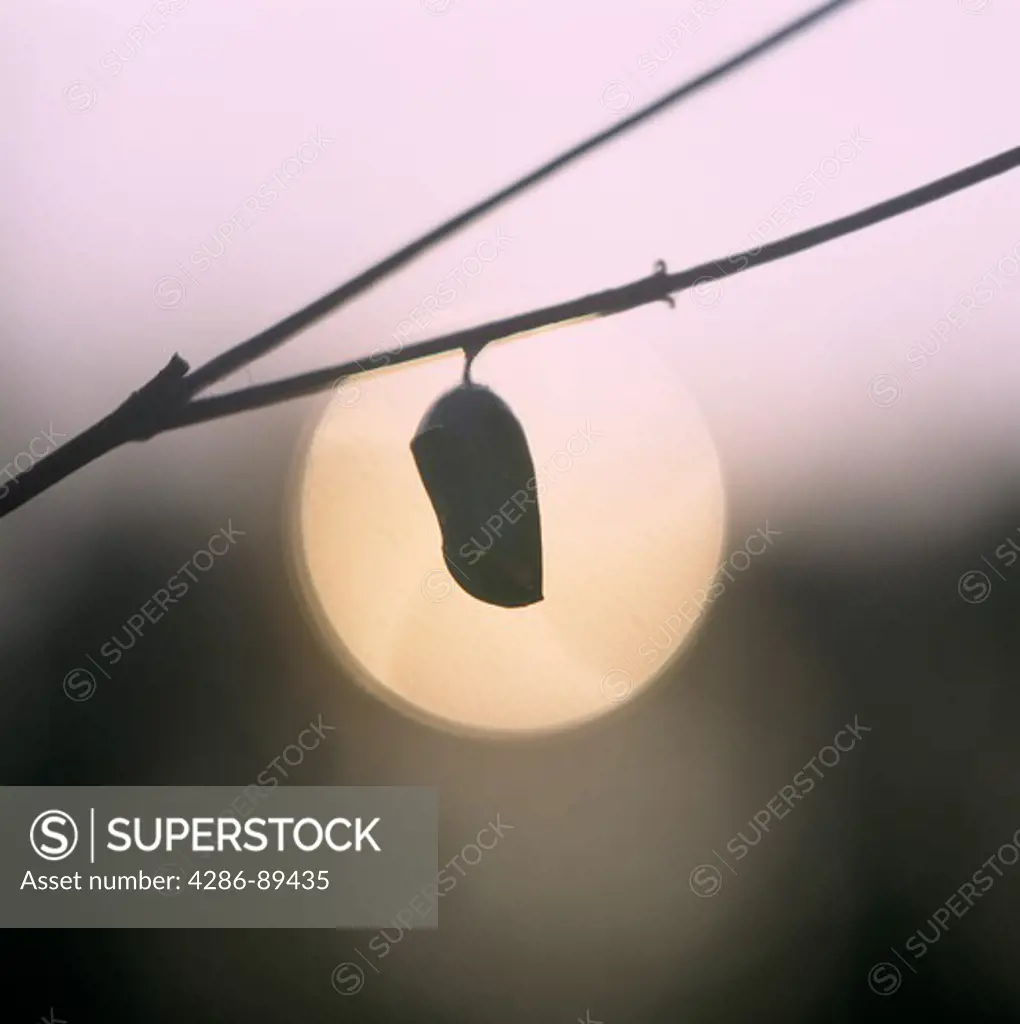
x: 54, y: 826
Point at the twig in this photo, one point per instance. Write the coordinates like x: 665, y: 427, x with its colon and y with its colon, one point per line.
x: 657, y: 287
x: 162, y: 404
x: 239, y: 356
x: 166, y: 402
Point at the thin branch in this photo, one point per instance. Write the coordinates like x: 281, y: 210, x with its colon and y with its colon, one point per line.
x: 166, y: 402
x: 240, y: 355
x: 162, y: 404
x: 657, y: 287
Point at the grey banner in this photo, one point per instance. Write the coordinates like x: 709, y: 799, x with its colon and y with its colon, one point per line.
x: 300, y: 857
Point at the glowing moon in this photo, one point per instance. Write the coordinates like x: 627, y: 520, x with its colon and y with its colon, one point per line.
x: 632, y: 509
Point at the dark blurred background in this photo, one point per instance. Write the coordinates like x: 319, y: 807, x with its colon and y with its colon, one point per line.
x: 586, y: 904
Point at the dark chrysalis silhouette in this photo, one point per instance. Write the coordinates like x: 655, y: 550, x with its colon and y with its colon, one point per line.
x: 474, y: 460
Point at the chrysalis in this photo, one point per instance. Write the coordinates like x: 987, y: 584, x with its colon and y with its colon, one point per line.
x: 474, y: 461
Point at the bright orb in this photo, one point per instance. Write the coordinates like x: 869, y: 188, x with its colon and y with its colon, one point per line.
x: 632, y: 509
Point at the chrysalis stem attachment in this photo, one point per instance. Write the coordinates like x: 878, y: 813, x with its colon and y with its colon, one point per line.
x: 470, y: 351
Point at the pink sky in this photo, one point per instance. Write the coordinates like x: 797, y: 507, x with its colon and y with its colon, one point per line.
x: 113, y: 179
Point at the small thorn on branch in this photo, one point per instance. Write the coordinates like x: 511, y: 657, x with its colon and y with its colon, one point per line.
x: 660, y: 271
